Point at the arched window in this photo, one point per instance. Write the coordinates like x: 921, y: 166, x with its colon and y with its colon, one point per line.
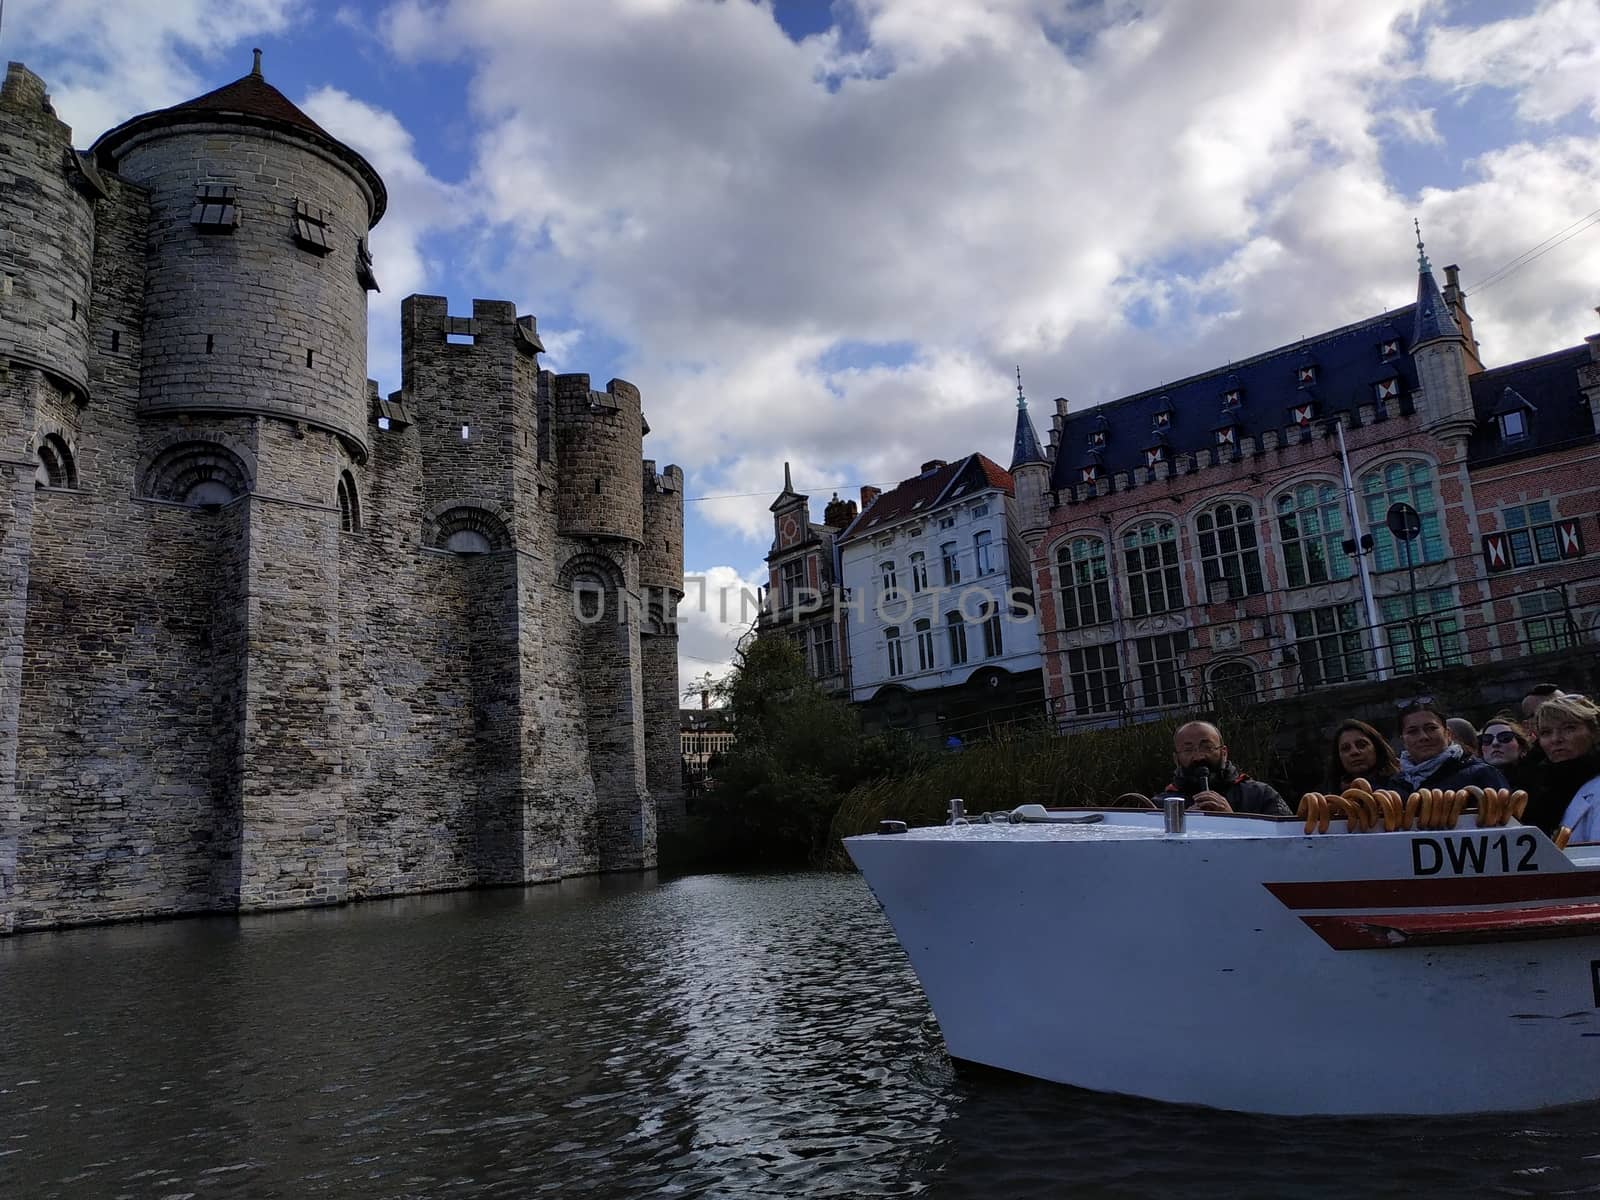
x: 1233, y: 684
x: 1229, y: 558
x: 56, y: 468
x: 955, y: 628
x: 349, y: 503
x: 924, y: 629
x: 993, y: 644
x: 1402, y: 483
x: 196, y: 473
x: 469, y: 530
x: 1311, y: 534
x: 1084, y: 582
x: 1150, y: 556
x: 897, y: 661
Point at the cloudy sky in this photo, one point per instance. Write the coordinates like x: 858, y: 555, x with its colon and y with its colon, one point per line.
x: 828, y: 233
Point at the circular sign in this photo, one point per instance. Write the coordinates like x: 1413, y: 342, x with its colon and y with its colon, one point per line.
x: 1403, y: 521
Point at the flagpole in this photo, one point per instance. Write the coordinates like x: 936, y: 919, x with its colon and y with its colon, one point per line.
x: 1378, y: 655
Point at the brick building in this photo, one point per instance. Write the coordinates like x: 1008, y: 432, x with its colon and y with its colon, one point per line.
x: 801, y: 600
x: 1226, y: 537
x: 267, y: 639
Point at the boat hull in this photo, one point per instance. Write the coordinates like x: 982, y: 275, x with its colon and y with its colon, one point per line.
x: 1248, y: 969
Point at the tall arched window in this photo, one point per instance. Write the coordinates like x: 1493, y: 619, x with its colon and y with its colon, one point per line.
x: 897, y: 655
x: 924, y: 629
x: 1150, y: 556
x: 56, y: 468
x: 1229, y: 556
x: 1084, y: 582
x: 1402, y: 483
x: 1311, y: 534
x: 349, y: 503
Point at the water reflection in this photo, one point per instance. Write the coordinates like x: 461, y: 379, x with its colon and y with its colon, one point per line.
x: 709, y: 1036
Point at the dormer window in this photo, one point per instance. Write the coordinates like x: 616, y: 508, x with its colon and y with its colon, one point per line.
x: 1090, y: 473
x: 1389, y: 349
x: 1513, y: 426
x: 1228, y: 435
x: 1303, y: 414
x: 1097, y: 438
x: 1387, y: 389
x: 1232, y: 398
x: 1513, y: 414
x: 1154, y: 455
x: 1163, y: 420
x: 1305, y: 374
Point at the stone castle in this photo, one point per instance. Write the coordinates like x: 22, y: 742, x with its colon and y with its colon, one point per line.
x: 266, y: 638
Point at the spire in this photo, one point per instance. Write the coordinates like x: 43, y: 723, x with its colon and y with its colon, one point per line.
x: 1434, y: 319
x: 256, y: 70
x: 1025, y: 448
x: 788, y: 496
x: 788, y: 484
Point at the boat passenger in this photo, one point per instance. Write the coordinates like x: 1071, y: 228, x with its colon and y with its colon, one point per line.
x: 1213, y: 783
x: 1537, y: 695
x: 1361, y: 752
x: 1431, y: 759
x: 1463, y: 734
x: 1504, y: 745
x: 1565, y: 790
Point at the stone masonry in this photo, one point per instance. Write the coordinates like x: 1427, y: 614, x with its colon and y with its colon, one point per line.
x: 266, y: 638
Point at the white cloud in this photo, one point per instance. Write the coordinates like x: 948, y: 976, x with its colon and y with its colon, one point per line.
x: 1549, y: 58
x: 718, y: 608
x: 420, y: 206
x: 108, y: 60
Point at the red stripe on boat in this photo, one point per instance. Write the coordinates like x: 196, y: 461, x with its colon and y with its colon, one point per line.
x: 1394, y: 930
x: 1453, y: 892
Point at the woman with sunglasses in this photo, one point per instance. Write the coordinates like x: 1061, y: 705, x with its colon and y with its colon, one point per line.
x: 1431, y: 759
x: 1504, y: 744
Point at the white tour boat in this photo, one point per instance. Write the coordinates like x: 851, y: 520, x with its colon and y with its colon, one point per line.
x: 1241, y: 963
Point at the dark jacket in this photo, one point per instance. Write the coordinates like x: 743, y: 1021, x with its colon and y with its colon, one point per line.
x: 1454, y: 775
x: 1551, y: 787
x: 1244, y: 795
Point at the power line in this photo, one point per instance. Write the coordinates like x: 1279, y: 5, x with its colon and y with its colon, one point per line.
x: 1539, y: 250
x: 826, y: 487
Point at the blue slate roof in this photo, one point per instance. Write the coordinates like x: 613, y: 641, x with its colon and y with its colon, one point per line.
x: 1346, y: 366
x: 1026, y: 448
x: 1556, y: 413
x: 1434, y: 319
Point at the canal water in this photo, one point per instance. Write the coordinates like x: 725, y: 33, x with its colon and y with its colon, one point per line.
x: 718, y: 1036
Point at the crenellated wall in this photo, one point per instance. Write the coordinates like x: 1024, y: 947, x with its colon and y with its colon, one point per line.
x: 266, y: 640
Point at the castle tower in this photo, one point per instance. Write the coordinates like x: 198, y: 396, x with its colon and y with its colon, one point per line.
x: 46, y: 268
x: 661, y: 589
x: 243, y: 188
x: 1030, y: 470
x: 1443, y: 357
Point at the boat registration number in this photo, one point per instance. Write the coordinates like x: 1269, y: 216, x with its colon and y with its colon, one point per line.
x: 1481, y: 854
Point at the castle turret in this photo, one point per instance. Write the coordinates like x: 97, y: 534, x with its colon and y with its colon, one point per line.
x: 599, y: 443
x: 1443, y: 357
x: 256, y: 295
x: 661, y: 588
x: 1030, y: 470
x: 46, y: 255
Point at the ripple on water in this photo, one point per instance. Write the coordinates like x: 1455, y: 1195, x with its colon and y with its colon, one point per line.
x: 711, y: 1036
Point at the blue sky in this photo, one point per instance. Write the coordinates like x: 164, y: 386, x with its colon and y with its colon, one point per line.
x: 828, y: 233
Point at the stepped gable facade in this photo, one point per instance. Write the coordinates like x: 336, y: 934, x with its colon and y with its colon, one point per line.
x: 1202, y: 543
x: 266, y: 638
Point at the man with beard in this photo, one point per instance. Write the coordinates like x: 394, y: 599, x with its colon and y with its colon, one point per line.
x: 1211, y: 782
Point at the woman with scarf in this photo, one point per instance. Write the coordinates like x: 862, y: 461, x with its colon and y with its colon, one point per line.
x: 1431, y: 759
x: 1564, y: 789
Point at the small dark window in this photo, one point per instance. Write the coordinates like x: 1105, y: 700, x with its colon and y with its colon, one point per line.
x: 349, y: 503
x: 308, y: 357
x: 216, y: 209
x: 211, y: 341
x: 74, y: 310
x: 364, y: 266
x: 311, y: 228
x: 116, y: 340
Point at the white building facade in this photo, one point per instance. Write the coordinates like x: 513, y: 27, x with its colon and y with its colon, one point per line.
x: 940, y: 617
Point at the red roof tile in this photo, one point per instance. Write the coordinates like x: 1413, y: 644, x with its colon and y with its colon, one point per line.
x: 921, y: 493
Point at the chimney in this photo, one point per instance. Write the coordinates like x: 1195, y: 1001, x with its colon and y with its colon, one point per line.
x: 1458, y: 309
x: 839, y: 513
x: 705, y: 699
x: 868, y: 495
x: 933, y: 464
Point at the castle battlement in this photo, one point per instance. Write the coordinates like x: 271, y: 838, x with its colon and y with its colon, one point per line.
x: 268, y: 637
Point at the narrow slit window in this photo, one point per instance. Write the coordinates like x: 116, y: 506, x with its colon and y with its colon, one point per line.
x: 311, y: 228
x: 466, y: 432
x: 116, y: 340
x: 216, y: 209
x: 309, y: 355
x: 211, y: 341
